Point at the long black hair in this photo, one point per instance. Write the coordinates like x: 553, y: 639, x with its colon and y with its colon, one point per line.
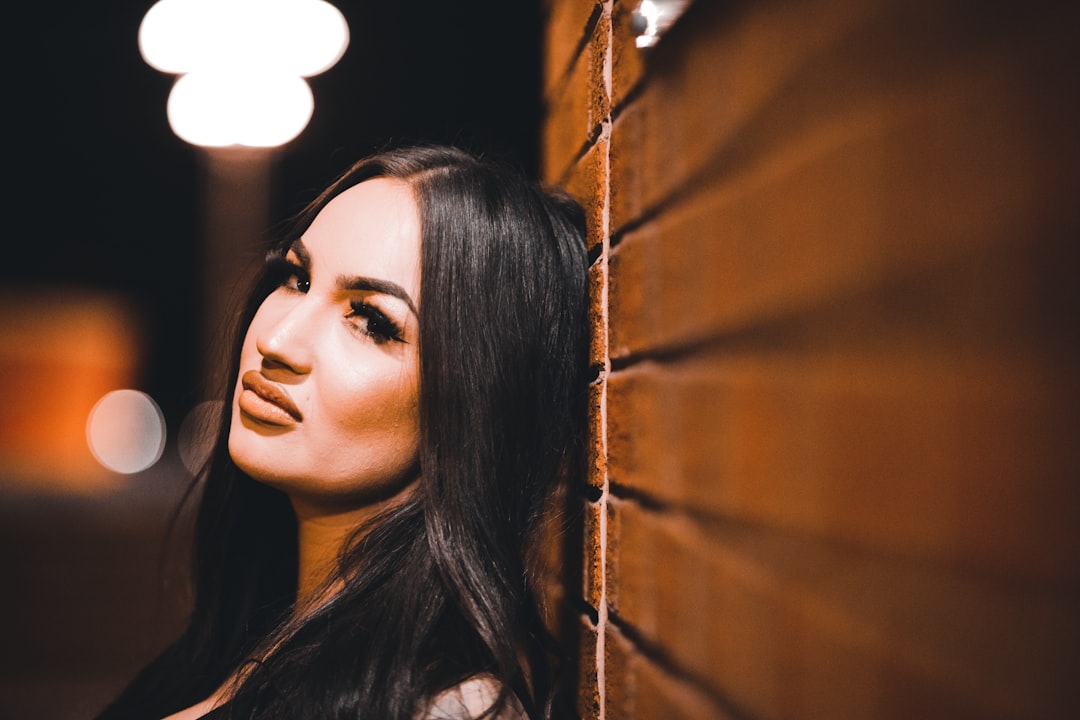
x: 439, y: 588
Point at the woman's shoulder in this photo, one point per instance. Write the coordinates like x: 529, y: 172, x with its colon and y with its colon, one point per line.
x: 470, y: 699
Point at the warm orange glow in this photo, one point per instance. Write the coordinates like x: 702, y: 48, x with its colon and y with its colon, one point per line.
x: 59, y: 353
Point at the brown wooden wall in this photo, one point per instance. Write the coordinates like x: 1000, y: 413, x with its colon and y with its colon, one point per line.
x: 835, y: 467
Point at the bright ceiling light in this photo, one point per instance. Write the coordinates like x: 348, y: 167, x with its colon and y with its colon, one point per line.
x: 242, y: 64
x: 218, y: 110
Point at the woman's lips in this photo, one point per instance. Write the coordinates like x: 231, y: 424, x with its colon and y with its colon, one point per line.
x: 267, y: 401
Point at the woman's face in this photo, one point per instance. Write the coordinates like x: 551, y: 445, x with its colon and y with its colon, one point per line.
x: 326, y: 403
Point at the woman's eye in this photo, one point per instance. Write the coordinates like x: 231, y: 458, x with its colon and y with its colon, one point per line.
x: 288, y: 274
x: 297, y: 282
x: 375, y: 324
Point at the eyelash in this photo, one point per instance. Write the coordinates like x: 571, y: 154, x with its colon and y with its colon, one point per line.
x: 294, y: 278
x: 282, y: 271
x: 379, y: 327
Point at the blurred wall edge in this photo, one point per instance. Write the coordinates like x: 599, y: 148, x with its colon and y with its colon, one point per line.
x: 834, y: 439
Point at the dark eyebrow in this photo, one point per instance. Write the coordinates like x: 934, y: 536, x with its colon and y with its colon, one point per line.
x: 356, y: 282
x: 386, y: 287
x: 301, y: 252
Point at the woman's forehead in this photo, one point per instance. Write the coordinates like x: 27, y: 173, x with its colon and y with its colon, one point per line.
x: 372, y: 228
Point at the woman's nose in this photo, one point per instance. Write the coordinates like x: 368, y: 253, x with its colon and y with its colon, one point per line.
x: 286, y: 340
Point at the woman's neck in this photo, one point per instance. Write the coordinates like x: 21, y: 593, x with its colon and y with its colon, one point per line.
x: 321, y: 536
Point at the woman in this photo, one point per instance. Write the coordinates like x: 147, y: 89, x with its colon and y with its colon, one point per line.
x: 406, y: 395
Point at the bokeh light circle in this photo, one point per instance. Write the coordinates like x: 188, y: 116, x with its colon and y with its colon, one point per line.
x: 126, y: 431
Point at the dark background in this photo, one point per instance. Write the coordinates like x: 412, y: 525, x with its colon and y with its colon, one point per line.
x: 102, y: 195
